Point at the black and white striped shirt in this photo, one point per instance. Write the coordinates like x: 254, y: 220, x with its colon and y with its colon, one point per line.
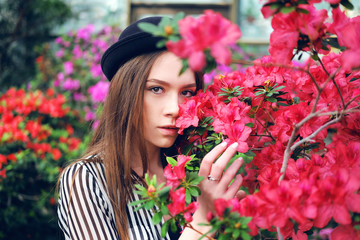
x: 89, y: 213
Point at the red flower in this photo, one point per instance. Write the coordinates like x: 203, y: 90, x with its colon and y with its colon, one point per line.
x: 345, y: 232
x: 56, y: 153
x: 209, y: 31
x: 3, y: 173
x: 188, y: 114
x: 52, y: 201
x: 3, y: 159
x: 11, y: 157
x: 176, y: 174
x: 178, y: 205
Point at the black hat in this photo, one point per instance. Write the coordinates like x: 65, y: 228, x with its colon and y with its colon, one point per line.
x: 132, y: 42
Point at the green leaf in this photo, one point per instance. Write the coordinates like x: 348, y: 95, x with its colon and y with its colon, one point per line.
x: 236, y: 233
x: 186, y: 150
x: 245, y: 235
x: 347, y: 4
x: 161, y: 43
x: 193, y: 191
x: 164, y: 193
x: 259, y: 93
x: 157, y: 218
x: 357, y: 227
x: 165, y: 229
x: 138, y: 202
x: 250, y: 153
x: 197, y: 180
x: 164, y: 210
x: 315, y: 57
x: 185, y: 65
x: 188, y: 196
x: 250, y: 125
x: 173, y: 38
x: 278, y: 88
x: 296, y: 100
x: 140, y: 187
x: 201, y: 131
x: 149, y: 205
x: 283, y: 104
x: 271, y: 99
x: 286, y: 10
x: 178, y: 16
x: 302, y: 10
x: 274, y: 5
x: 148, y: 27
x: 171, y: 161
x: 173, y: 225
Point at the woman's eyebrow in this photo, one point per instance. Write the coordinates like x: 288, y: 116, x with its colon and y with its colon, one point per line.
x: 167, y: 83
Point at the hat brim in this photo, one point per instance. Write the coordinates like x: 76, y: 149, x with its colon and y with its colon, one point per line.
x: 123, y: 51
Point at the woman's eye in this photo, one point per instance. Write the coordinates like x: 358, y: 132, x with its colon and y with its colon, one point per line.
x: 156, y: 90
x: 188, y: 93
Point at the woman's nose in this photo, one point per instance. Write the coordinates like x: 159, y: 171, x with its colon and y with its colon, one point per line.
x: 172, y: 106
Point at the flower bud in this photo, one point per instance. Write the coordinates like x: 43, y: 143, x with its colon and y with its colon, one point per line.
x: 151, y: 189
x: 168, y: 30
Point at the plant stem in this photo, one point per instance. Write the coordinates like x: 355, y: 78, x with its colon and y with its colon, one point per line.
x: 191, y: 227
x: 333, y: 80
x: 311, y: 136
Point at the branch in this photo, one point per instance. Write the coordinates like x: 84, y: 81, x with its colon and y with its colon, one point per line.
x: 202, y: 234
x: 191, y: 227
x: 322, y: 88
x: 333, y: 80
x: 311, y: 136
x: 351, y: 100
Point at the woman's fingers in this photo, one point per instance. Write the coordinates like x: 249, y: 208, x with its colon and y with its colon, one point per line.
x: 234, y: 187
x: 231, y: 172
x: 219, y: 166
x: 240, y: 194
x: 209, y: 158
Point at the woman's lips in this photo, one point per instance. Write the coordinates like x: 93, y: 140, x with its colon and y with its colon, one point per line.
x: 169, y: 130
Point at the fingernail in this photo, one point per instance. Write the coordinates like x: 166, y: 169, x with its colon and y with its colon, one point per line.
x: 234, y: 145
x: 223, y: 144
x: 240, y: 159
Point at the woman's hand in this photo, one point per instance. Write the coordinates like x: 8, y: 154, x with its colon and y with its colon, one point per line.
x: 216, y: 182
x: 215, y: 185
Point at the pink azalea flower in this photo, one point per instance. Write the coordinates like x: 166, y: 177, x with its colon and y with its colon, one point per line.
x: 178, y: 205
x: 99, y: 91
x: 176, y: 174
x: 348, y: 33
x: 60, y: 53
x: 188, y: 114
x: 95, y: 70
x: 85, y: 33
x: 178, y: 201
x: 77, y: 52
x: 70, y: 84
x: 209, y: 31
x: 90, y: 116
x: 68, y: 67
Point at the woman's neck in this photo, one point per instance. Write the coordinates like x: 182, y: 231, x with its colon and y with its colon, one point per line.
x: 154, y: 163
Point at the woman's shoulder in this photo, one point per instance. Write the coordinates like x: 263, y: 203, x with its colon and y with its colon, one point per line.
x: 83, y: 171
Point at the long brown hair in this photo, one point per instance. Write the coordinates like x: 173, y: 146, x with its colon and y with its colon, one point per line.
x: 120, y: 124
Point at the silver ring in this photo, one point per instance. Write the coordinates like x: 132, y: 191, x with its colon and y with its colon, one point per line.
x: 210, y: 178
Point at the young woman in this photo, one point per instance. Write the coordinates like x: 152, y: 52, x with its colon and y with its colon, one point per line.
x: 136, y: 131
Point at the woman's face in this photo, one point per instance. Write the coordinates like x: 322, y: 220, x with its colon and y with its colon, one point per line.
x: 164, y: 91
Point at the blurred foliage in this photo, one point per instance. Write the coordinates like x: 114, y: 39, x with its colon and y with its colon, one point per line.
x: 44, y: 125
x: 23, y: 26
x: 37, y: 138
x: 71, y: 65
